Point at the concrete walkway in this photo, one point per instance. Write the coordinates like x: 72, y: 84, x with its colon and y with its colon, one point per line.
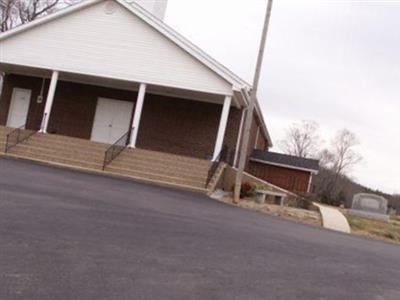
x: 333, y: 219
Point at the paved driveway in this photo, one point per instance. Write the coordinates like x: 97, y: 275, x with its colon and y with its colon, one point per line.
x: 66, y: 235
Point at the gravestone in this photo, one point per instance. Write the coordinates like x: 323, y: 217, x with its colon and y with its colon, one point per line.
x: 370, y: 206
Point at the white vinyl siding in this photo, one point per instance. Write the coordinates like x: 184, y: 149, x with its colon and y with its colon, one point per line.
x: 118, y: 45
x: 156, y: 7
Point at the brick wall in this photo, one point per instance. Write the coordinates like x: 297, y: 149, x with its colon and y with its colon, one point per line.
x: 184, y: 127
x: 262, y: 143
x: 232, y: 131
x: 35, y: 109
x: 178, y: 126
x: 74, y: 107
x: 168, y: 124
x: 252, y: 137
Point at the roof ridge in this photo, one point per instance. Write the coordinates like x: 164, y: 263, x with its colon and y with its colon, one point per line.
x: 289, y: 155
x: 281, y: 159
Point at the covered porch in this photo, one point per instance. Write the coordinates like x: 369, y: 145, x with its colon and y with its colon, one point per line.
x: 157, y: 118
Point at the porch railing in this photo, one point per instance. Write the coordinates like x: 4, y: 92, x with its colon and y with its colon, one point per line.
x: 115, y: 149
x: 223, y: 156
x: 17, y: 136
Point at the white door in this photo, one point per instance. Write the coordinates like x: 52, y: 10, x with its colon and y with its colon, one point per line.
x: 112, y: 120
x: 19, y: 107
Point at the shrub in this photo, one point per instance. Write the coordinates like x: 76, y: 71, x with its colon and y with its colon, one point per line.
x: 263, y: 187
x: 247, y: 190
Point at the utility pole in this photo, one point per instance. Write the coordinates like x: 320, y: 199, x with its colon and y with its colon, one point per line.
x: 250, y: 110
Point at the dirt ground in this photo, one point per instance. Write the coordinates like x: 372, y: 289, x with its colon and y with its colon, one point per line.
x: 374, y: 229
x: 299, y: 215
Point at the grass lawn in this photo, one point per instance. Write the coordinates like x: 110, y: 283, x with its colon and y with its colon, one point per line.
x: 295, y: 214
x: 375, y: 229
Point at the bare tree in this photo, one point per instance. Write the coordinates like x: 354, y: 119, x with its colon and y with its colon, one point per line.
x: 17, y: 12
x: 326, y: 158
x: 302, y: 139
x: 337, y: 163
x: 7, y: 14
x: 31, y: 10
x: 343, y: 156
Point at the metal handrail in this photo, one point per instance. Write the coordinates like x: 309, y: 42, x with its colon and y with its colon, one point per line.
x: 222, y: 157
x: 115, y: 149
x: 17, y: 136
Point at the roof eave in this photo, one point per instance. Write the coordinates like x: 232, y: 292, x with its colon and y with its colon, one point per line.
x: 246, y: 94
x: 266, y: 131
x: 184, y: 43
x: 47, y: 18
x: 312, y: 171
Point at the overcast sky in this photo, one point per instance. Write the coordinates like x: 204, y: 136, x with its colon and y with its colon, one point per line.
x: 335, y: 62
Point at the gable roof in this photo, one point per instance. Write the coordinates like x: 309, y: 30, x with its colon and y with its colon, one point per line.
x: 155, y: 23
x: 284, y: 160
x: 240, y: 86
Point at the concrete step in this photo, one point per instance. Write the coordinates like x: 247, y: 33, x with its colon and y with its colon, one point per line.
x: 168, y: 167
x: 68, y: 139
x: 169, y: 164
x: 56, y: 159
x: 63, y: 148
x: 158, y: 177
x: 151, y: 166
x: 79, y: 154
x: 216, y: 176
x: 166, y: 156
x: 5, y: 130
x: 161, y: 170
x: 39, y: 139
x: 162, y: 181
x: 3, y: 137
x: 133, y: 157
x: 184, y: 187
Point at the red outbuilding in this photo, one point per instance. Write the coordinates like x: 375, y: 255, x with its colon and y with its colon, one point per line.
x: 289, y: 172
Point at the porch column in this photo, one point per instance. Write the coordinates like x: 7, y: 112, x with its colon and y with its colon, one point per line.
x: 222, y: 127
x: 309, y: 183
x: 137, y: 115
x: 49, y: 102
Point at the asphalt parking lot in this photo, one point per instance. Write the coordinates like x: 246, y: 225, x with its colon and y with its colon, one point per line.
x: 69, y: 235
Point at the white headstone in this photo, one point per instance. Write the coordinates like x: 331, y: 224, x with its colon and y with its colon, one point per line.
x: 370, y: 206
